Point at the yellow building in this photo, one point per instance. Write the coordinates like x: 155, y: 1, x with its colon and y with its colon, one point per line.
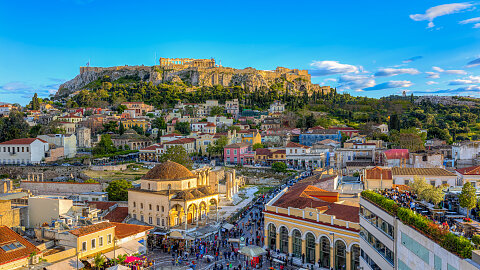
x: 94, y: 238
x: 252, y: 137
x: 301, y: 222
x: 130, y: 123
x: 170, y: 195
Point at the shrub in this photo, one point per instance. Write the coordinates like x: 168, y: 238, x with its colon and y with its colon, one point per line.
x: 387, y: 204
x: 476, y: 239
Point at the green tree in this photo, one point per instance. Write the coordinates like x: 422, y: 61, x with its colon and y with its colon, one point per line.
x: 99, y: 260
x: 118, y: 190
x: 256, y: 146
x: 216, y: 110
x: 418, y: 185
x: 159, y: 123
x: 177, y: 154
x: 279, y: 167
x: 183, y: 127
x: 121, y: 128
x: 468, y: 197
x: 111, y: 126
x: 90, y: 181
x: 35, y: 103
x: 13, y: 127
x: 310, y: 121
x: 104, y: 146
x: 121, y: 108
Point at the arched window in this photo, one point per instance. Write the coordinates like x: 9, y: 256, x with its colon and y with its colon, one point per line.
x: 163, y: 208
x: 340, y: 255
x: 158, y: 207
x: 355, y: 254
x: 283, y: 240
x: 272, y: 237
x: 297, y: 243
x: 325, y: 252
x: 141, y: 205
x: 149, y: 206
x: 134, y: 204
x: 310, y: 248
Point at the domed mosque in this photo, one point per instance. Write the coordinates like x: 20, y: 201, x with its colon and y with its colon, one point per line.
x: 167, y: 190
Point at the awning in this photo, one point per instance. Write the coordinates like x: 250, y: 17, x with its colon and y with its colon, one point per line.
x: 118, y: 267
x: 118, y: 251
x: 66, y: 264
x: 176, y: 235
x: 134, y: 246
x: 228, y: 226
x: 252, y: 251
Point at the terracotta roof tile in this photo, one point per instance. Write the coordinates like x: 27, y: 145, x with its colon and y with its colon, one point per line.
x: 421, y: 171
x: 119, y: 214
x: 294, y: 144
x: 23, y: 141
x: 8, y: 236
x: 474, y: 170
x: 91, y: 229
x: 396, y: 154
x: 379, y: 173
x: 123, y: 230
x: 181, y: 141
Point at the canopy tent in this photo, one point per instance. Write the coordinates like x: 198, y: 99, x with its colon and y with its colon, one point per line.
x: 133, y: 247
x: 118, y: 267
x: 132, y: 259
x: 71, y: 263
x: 228, y: 226
x: 252, y: 251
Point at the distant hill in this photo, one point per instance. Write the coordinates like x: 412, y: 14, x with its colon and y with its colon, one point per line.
x: 196, y: 74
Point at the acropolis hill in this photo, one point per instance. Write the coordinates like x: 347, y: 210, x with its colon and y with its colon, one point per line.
x: 197, y: 73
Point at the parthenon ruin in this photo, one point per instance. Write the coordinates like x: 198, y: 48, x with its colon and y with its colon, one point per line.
x: 188, y: 62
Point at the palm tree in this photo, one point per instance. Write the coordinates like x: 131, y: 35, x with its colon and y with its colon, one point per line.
x: 99, y: 260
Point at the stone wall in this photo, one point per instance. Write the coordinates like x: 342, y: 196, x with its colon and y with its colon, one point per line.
x: 119, y: 167
x: 49, y: 172
x: 60, y: 188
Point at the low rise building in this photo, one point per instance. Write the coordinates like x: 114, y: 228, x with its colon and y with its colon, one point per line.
x: 235, y: 153
x: 433, y: 176
x: 308, y: 223
x: 377, y: 178
x: 68, y: 142
x: 314, y: 136
x: 140, y: 108
x: 23, y: 151
x: 15, y: 251
x: 469, y: 174
x: 187, y: 143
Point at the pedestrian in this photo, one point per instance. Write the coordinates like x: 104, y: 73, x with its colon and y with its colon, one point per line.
x: 303, y: 258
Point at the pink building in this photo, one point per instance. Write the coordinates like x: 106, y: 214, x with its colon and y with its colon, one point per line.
x: 235, y: 153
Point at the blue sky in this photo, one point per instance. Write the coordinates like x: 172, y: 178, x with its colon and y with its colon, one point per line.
x: 366, y: 48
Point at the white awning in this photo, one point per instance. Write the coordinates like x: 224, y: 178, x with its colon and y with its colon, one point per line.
x: 134, y: 246
x: 228, y: 226
x: 66, y: 264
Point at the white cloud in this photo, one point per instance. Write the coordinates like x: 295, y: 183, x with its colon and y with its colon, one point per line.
x: 388, y: 85
x: 355, y: 82
x: 330, y: 80
x: 477, y: 25
x: 395, y: 71
x: 432, y: 75
x: 440, y: 10
x: 472, y: 20
x: 322, y: 68
x: 451, y: 71
x: 468, y: 80
x: 431, y: 82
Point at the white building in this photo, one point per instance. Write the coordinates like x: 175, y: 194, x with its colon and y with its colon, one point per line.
x: 276, y: 107
x: 68, y: 142
x: 465, y: 153
x: 302, y: 156
x: 387, y: 243
x: 84, y: 137
x: 23, y: 151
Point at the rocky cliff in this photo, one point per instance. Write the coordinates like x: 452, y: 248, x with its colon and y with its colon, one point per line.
x: 249, y: 78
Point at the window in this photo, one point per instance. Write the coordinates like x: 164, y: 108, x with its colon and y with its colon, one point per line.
x: 93, y: 243
x: 415, y: 247
x: 407, y: 182
x: 149, y: 186
x: 84, y: 246
x: 23, y: 149
x: 141, y: 218
x: 135, y: 216
x: 100, y: 241
x: 109, y: 239
x: 150, y: 206
x: 163, y: 208
x: 158, y: 208
x: 437, y: 263
x: 235, y: 151
x: 27, y: 148
x: 228, y: 151
x: 163, y: 222
x: 444, y: 182
x: 150, y: 220
x: 432, y: 182
x: 141, y: 205
x: 134, y: 204
x: 377, y: 245
x: 158, y: 221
